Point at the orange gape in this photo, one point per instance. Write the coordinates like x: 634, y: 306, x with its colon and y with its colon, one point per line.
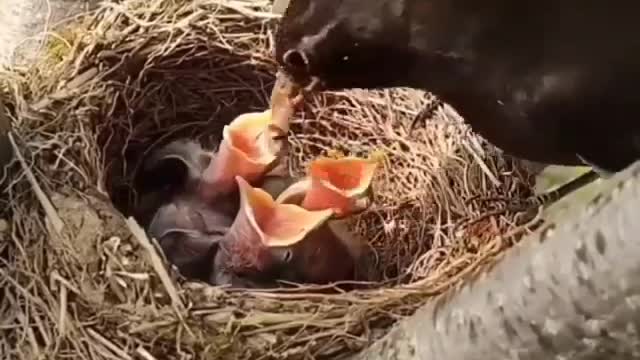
x: 330, y: 252
x: 262, y: 224
x: 277, y: 224
x: 250, y: 145
x: 342, y: 185
x: 249, y: 149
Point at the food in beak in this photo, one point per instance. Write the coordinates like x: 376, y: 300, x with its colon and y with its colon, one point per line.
x: 285, y: 97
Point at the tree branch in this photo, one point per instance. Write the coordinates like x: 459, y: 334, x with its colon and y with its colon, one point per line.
x: 572, y: 294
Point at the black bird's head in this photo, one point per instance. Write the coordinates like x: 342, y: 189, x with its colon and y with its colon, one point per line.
x: 339, y: 44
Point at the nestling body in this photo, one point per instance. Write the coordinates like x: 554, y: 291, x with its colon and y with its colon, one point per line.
x: 187, y: 228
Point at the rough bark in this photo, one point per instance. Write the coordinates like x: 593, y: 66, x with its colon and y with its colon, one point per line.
x: 573, y: 293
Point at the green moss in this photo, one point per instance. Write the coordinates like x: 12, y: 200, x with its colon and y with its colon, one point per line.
x: 58, y: 47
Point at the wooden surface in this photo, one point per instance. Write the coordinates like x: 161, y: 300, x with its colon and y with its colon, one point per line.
x: 570, y: 293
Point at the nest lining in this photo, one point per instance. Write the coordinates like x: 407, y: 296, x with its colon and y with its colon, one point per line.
x: 138, y: 74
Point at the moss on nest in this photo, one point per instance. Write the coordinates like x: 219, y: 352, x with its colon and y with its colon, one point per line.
x: 81, y: 282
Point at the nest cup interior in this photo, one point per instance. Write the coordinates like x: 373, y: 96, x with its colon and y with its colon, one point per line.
x: 190, y: 94
x: 139, y: 74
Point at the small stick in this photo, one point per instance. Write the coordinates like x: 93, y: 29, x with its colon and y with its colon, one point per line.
x: 63, y: 309
x: 109, y: 345
x: 6, y: 152
x: 144, y: 353
x: 157, y: 264
x: 483, y: 165
x: 48, y: 207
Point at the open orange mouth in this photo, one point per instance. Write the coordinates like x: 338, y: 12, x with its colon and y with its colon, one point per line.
x: 250, y: 147
x: 272, y: 224
x: 342, y: 185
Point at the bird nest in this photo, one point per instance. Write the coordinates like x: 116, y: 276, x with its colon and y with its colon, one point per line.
x: 81, y: 280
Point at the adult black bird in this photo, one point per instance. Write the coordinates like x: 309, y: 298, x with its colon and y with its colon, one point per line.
x: 553, y: 81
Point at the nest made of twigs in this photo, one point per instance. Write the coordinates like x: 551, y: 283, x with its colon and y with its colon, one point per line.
x: 82, y: 282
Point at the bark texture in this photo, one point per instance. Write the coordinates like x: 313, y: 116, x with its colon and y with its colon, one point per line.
x: 571, y: 293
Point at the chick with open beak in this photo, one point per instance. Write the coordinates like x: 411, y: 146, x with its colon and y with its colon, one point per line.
x: 250, y: 148
x: 342, y: 184
x: 204, y: 202
x: 257, y: 245
x: 253, y: 144
x: 329, y: 253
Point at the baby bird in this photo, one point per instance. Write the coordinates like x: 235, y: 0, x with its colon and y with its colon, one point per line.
x: 331, y: 252
x: 203, y: 203
x: 223, y: 225
x: 342, y: 184
x: 188, y: 232
x: 257, y: 246
x: 203, y: 200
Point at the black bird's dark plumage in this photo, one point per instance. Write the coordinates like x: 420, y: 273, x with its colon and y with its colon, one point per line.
x: 553, y: 81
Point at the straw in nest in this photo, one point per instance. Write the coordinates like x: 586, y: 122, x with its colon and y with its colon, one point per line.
x: 82, y: 282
